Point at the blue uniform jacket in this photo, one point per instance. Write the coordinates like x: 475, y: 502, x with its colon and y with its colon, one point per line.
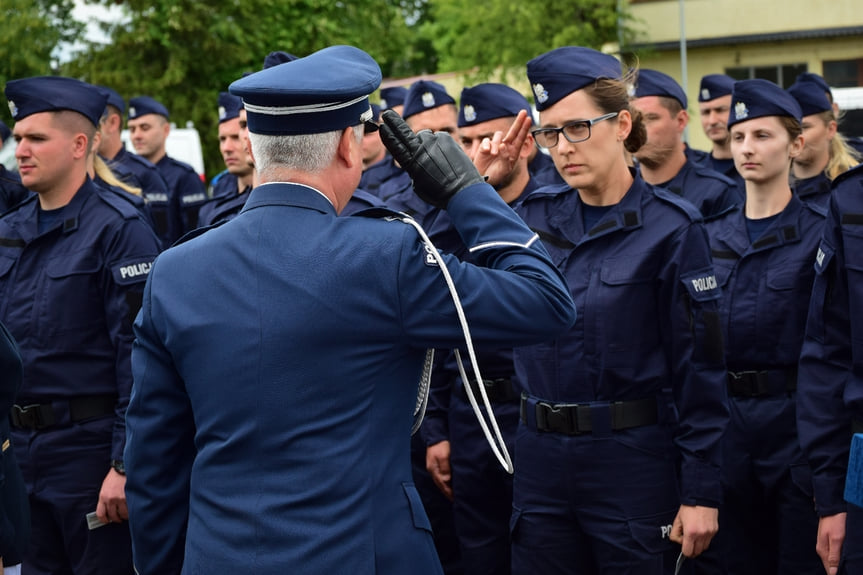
x: 276, y: 367
x: 186, y: 190
x: 68, y: 297
x: 543, y: 172
x: 378, y: 173
x: 815, y: 190
x: 830, y: 380
x: 224, y: 207
x: 709, y: 191
x: 14, y: 506
x: 11, y: 191
x: 647, y: 326
x: 223, y: 185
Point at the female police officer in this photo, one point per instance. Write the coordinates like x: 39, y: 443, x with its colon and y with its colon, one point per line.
x: 617, y: 454
x: 763, y: 254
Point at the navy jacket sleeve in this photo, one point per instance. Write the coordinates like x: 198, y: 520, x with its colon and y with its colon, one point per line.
x: 823, y: 422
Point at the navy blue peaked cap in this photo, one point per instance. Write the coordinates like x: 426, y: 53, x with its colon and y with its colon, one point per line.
x: 425, y: 95
x: 556, y: 74
x: 655, y: 83
x: 815, y: 79
x: 323, y: 92
x: 485, y: 102
x: 758, y: 98
x: 52, y: 94
x: 715, y: 86
x: 143, y: 105
x: 393, y: 96
x: 229, y: 106
x: 811, y: 97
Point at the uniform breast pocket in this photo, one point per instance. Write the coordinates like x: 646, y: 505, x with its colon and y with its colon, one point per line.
x: 785, y: 303
x: 628, y: 304
x: 73, y: 297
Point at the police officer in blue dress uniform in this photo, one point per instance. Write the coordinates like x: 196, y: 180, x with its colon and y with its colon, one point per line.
x: 11, y: 190
x: 14, y: 508
x: 231, y: 188
x: 73, y: 262
x: 148, y: 129
x: 458, y: 455
x: 130, y: 168
x: 763, y: 254
x: 379, y: 164
x: 617, y: 453
x: 393, y: 98
x: 714, y: 100
x: 663, y: 161
x: 274, y: 434
x: 830, y: 385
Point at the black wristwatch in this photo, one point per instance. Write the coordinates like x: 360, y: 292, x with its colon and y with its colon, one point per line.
x: 118, y: 466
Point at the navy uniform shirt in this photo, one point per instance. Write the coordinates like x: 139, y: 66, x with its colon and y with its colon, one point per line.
x: 314, y: 335
x: 141, y: 173
x: 361, y: 200
x: 643, y: 282
x: 814, y: 190
x: 398, y: 194
x: 138, y: 202
x: 830, y: 380
x: 697, y: 156
x: 224, y: 207
x: 378, y: 173
x: 223, y: 185
x: 187, y: 191
x: 68, y: 295
x: 11, y: 190
x: 709, y: 191
x: 542, y: 170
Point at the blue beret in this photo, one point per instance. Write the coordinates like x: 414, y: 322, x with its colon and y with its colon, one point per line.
x: 556, y: 74
x: 52, y: 94
x: 815, y: 79
x: 425, y: 95
x: 114, y: 99
x: 811, y: 97
x: 5, y: 132
x: 143, y: 105
x: 486, y: 102
x: 229, y: 106
x: 323, y: 92
x: 655, y: 83
x: 715, y: 86
x: 394, y: 96
x: 376, y: 113
x: 757, y: 98
x: 276, y: 58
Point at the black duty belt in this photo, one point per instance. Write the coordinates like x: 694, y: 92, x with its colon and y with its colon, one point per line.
x: 577, y: 418
x: 763, y: 383
x: 499, y: 390
x: 42, y: 415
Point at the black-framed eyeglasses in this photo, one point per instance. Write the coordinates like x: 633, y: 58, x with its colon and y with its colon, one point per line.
x: 574, y: 132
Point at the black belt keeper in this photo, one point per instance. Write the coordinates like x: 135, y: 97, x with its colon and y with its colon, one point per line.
x: 41, y: 415
x: 499, y: 390
x: 575, y: 418
x: 763, y: 383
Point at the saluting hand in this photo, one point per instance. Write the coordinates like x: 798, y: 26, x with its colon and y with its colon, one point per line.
x: 694, y: 528
x: 496, y: 156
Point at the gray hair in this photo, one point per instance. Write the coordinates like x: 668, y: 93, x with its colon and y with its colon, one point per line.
x: 310, y: 153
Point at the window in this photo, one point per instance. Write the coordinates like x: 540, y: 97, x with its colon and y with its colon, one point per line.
x: 844, y: 73
x: 781, y: 74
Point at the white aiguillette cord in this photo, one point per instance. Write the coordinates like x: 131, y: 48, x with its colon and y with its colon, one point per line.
x: 496, y: 443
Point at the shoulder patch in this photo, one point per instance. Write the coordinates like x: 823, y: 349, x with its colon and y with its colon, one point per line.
x: 702, y: 285
x: 132, y: 270
x: 668, y: 197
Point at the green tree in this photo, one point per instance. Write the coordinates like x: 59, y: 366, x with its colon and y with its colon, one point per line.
x: 500, y: 36
x: 183, y: 52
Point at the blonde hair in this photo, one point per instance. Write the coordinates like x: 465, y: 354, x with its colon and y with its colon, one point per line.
x: 104, y: 173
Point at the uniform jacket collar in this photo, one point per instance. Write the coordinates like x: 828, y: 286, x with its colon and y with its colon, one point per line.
x: 785, y: 230
x: 27, y: 220
x: 288, y: 194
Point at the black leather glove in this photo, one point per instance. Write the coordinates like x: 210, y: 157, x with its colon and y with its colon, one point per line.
x: 435, y: 162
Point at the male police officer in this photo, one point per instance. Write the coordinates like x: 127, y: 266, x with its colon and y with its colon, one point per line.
x: 73, y: 262
x: 268, y: 429
x: 230, y: 191
x: 130, y: 168
x: 493, y: 126
x: 149, y: 129
x: 378, y: 164
x: 714, y: 105
x: 662, y: 159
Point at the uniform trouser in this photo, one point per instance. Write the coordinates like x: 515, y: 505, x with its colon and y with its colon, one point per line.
x: 852, y: 547
x: 591, y: 504
x: 767, y: 523
x: 482, y: 489
x: 439, y: 510
x: 63, y: 469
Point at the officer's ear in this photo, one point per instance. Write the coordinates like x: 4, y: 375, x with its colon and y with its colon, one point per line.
x: 349, y: 151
